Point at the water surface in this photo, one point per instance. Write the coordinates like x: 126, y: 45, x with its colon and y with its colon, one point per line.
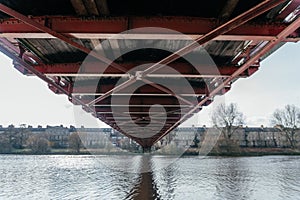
x: 91, y: 177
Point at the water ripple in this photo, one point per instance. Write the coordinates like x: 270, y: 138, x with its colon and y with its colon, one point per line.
x: 101, y: 177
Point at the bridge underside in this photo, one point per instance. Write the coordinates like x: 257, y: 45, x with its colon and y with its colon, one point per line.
x: 52, y: 38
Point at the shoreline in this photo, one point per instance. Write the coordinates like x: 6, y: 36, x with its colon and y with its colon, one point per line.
x: 244, y: 152
x: 258, y: 151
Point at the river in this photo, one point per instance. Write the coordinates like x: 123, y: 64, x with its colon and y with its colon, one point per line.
x: 119, y: 177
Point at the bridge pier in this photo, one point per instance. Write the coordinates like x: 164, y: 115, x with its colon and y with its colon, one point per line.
x: 147, y: 149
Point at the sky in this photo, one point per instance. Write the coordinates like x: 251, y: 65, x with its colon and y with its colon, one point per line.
x: 27, y: 100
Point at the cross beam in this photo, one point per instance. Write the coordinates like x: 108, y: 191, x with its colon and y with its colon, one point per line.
x: 104, y: 28
x: 92, y: 69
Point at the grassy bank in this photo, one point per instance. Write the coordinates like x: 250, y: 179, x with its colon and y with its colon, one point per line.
x: 257, y: 152
x: 68, y: 152
x: 189, y: 152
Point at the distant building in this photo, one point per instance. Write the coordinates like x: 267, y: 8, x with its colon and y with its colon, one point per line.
x: 262, y: 137
x: 93, y: 137
x: 184, y: 136
x: 58, y: 136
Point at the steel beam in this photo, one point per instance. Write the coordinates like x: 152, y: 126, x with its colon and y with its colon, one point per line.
x: 103, y: 36
x: 168, y: 91
x: 149, y: 75
x: 289, y: 9
x: 103, y: 28
x: 79, y: 89
x: 142, y: 106
x: 140, y: 109
x: 38, y: 26
x: 140, y: 113
x: 92, y: 69
x: 92, y: 95
x: 135, y: 116
x: 139, y: 100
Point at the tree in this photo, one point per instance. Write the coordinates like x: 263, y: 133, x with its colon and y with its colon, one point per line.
x: 5, y: 145
x: 75, y: 142
x: 196, y: 141
x: 20, y: 137
x: 288, y: 121
x: 38, y: 144
x: 227, y: 119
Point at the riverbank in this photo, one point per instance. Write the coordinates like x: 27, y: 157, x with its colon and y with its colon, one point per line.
x: 190, y: 152
x: 69, y: 152
x: 258, y: 152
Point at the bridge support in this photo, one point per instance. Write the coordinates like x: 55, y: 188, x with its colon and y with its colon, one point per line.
x: 147, y: 149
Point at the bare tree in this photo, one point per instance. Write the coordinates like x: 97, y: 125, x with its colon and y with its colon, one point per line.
x: 20, y: 137
x: 38, y: 144
x: 75, y: 142
x: 288, y: 121
x: 227, y: 119
x: 5, y: 145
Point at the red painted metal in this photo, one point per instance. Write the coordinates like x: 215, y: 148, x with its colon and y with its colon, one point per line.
x: 141, y: 109
x: 291, y: 28
x: 166, y: 90
x: 45, y: 29
x: 86, y: 90
x: 17, y: 51
x: 70, y: 26
x: 89, y: 68
x: 226, y: 27
x: 291, y: 7
x: 138, y: 100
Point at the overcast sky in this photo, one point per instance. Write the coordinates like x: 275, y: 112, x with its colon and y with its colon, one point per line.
x: 27, y: 100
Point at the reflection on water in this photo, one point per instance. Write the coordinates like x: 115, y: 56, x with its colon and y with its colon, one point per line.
x: 84, y: 177
x: 234, y: 174
x: 145, y: 187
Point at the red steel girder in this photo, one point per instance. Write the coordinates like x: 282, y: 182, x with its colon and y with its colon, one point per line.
x: 224, y: 28
x: 91, y: 90
x: 103, y: 28
x: 145, y: 100
x: 146, y: 121
x: 75, y: 69
x: 138, y: 109
x: 134, y: 115
x: 290, y: 8
x: 141, y: 111
x: 45, y: 29
x: 88, y: 91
